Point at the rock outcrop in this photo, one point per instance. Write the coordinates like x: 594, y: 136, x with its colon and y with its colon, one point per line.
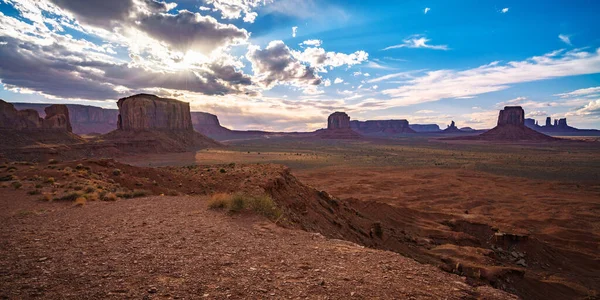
x: 378, y: 127
x: 25, y: 128
x: 150, y: 112
x: 150, y: 124
x: 84, y: 119
x: 338, y: 127
x: 338, y: 120
x: 452, y: 128
x: 511, y: 127
x: 559, y: 127
x: 512, y: 115
x: 57, y: 118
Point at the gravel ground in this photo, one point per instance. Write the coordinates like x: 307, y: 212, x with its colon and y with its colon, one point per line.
x: 174, y: 247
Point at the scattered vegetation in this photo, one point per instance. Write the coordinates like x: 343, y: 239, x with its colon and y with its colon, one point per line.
x: 16, y: 185
x: 80, y: 201
x: 234, y: 203
x: 8, y: 177
x: 116, y: 172
x: 34, y: 192
x: 52, y: 161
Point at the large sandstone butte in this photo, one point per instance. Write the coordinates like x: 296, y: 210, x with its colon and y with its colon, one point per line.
x: 338, y: 127
x: 150, y: 124
x: 150, y: 112
x: 511, y: 127
x: 374, y: 127
x: 338, y: 120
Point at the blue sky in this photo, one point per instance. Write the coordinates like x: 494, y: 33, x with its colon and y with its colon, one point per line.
x: 287, y: 64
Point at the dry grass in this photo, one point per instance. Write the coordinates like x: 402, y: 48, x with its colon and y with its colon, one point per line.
x: 80, y: 201
x: 234, y: 203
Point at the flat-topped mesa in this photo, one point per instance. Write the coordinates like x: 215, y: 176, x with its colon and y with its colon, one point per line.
x: 149, y: 112
x: 202, y: 118
x: 338, y: 120
x: 378, y: 126
x: 512, y: 115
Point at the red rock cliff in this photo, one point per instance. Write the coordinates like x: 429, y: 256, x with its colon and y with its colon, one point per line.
x: 338, y: 120
x: 149, y: 112
x: 57, y: 118
x: 512, y: 115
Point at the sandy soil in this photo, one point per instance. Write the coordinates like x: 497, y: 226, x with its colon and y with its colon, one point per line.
x: 175, y: 248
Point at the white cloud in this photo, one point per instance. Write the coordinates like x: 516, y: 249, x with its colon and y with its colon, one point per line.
x: 425, y: 111
x: 565, y: 39
x: 312, y: 43
x: 417, y: 41
x: 590, y: 109
x: 441, y: 84
x: 504, y: 10
x: 327, y: 82
x: 322, y: 60
x: 427, y: 9
x: 338, y: 80
x: 294, y: 31
x: 233, y: 9
x: 581, y: 92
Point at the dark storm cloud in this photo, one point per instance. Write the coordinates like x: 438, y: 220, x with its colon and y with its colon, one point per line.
x: 103, y: 13
x: 97, y: 12
x: 187, y: 30
x: 56, y: 71
x: 276, y: 64
x: 23, y: 66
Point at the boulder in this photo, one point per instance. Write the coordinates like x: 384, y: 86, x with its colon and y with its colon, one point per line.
x: 150, y: 112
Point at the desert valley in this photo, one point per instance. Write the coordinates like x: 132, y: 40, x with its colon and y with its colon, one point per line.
x: 299, y: 149
x: 357, y: 209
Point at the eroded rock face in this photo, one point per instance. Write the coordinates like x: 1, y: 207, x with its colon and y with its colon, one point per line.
x: 149, y: 112
x: 57, y: 118
x: 338, y: 120
x: 512, y: 115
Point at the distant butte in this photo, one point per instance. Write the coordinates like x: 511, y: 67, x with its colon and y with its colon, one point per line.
x: 338, y: 127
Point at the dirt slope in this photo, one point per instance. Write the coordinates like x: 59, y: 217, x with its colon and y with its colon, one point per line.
x: 173, y: 247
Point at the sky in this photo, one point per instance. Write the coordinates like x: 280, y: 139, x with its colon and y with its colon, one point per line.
x: 285, y: 65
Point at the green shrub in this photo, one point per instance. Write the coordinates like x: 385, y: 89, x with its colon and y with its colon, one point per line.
x: 52, y: 161
x: 222, y: 171
x: 140, y: 193
x: 264, y: 206
x: 49, y: 180
x: 116, y: 172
